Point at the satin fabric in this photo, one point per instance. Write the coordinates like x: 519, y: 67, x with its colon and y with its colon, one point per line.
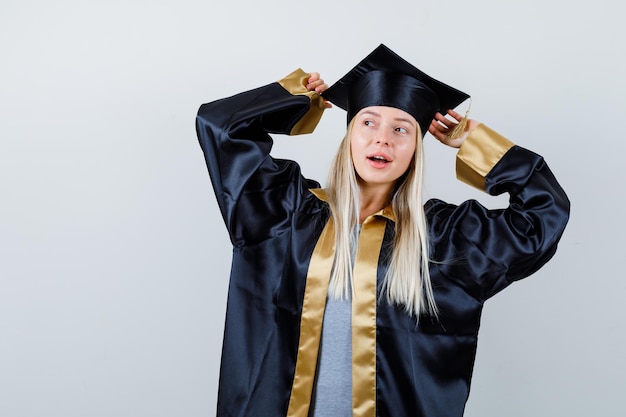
x: 383, y: 78
x: 274, y: 222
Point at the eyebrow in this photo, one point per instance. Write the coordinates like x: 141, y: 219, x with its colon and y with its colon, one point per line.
x: 397, y: 119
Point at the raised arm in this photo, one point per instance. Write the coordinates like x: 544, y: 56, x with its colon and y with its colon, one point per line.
x: 234, y: 135
x: 486, y: 250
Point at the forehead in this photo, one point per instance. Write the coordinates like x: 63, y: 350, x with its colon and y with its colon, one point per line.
x: 386, y: 112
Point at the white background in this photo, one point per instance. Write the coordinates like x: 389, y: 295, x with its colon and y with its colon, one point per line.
x: 113, y: 257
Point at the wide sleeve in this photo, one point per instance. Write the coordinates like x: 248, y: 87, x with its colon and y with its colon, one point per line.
x: 485, y: 250
x: 255, y: 192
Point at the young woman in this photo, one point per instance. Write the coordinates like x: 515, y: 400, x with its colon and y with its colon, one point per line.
x: 360, y: 300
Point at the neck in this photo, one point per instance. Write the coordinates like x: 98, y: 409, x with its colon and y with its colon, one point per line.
x: 372, y: 200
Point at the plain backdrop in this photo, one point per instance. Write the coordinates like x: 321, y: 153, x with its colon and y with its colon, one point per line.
x: 114, y: 260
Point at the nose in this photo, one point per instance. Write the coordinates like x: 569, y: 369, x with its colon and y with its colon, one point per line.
x: 382, y: 139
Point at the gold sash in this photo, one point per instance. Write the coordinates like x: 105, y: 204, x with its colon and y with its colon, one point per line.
x: 313, y: 306
x: 363, y: 317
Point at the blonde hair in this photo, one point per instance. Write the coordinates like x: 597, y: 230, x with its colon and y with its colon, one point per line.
x: 407, y: 281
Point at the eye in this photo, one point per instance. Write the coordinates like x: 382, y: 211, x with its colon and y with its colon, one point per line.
x: 368, y: 123
x: 401, y: 130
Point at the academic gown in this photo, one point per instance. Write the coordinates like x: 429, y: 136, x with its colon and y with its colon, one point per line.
x: 274, y: 220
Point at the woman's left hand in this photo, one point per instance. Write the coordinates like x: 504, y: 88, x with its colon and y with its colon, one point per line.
x: 441, y: 127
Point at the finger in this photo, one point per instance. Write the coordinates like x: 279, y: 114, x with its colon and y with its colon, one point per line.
x: 432, y: 130
x: 313, y: 76
x: 449, y: 124
x: 438, y: 127
x: 437, y: 115
x: 442, y: 119
x: 316, y: 85
x: 312, y: 83
x: 455, y: 115
x: 435, y: 126
x: 321, y: 88
x: 436, y: 130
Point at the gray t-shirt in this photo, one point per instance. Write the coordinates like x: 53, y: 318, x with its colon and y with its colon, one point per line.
x: 332, y: 395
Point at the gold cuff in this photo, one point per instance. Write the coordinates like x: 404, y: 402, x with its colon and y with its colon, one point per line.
x: 479, y: 153
x: 295, y: 83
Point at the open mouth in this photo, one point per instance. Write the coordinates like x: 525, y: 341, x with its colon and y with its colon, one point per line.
x: 377, y: 158
x: 378, y: 161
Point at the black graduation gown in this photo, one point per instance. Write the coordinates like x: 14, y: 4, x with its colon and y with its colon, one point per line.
x: 274, y: 221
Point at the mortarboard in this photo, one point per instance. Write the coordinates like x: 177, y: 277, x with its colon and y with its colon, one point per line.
x: 384, y: 78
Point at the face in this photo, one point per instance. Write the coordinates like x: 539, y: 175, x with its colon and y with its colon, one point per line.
x: 383, y: 141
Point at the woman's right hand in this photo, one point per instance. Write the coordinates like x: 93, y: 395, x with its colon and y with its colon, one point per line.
x: 317, y: 84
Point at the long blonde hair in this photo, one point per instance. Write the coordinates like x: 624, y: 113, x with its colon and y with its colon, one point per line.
x: 407, y: 281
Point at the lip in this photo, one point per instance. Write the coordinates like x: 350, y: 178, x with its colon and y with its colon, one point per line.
x: 378, y: 163
x: 381, y: 155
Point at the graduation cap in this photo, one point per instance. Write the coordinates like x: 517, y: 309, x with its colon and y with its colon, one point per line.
x: 384, y: 78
